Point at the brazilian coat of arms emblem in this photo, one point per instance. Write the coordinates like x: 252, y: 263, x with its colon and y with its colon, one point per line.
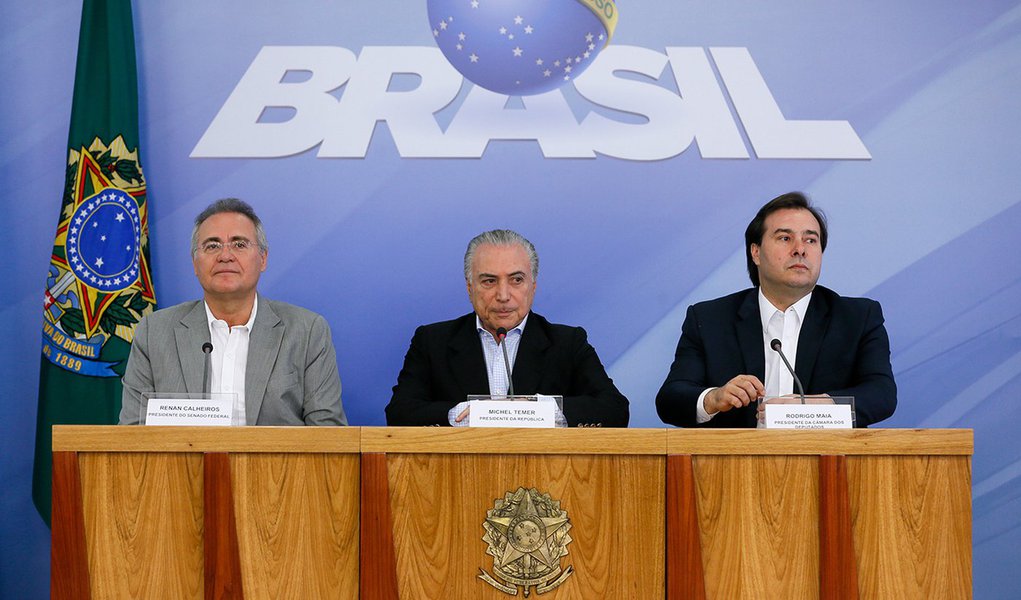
x: 527, y: 534
x: 98, y: 286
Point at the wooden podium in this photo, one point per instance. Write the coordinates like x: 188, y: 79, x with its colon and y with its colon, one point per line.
x: 267, y: 512
x: 883, y: 513
x: 194, y: 512
x: 442, y: 482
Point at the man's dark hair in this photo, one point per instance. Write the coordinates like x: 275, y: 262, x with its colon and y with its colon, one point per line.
x: 757, y: 228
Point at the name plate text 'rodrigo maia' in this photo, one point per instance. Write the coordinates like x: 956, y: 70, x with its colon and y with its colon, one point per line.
x: 808, y: 416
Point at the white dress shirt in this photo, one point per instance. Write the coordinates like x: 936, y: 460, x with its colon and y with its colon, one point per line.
x: 499, y: 380
x: 784, y: 325
x: 230, y: 360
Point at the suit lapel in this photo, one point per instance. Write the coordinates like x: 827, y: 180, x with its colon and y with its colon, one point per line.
x: 263, y: 349
x: 190, y: 333
x: 528, y: 364
x: 810, y: 340
x: 466, y: 360
x: 749, y: 335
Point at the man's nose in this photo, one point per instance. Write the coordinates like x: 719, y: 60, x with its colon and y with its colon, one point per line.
x: 799, y: 247
x: 503, y: 291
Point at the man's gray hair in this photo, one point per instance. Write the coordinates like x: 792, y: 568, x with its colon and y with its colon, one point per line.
x: 230, y: 205
x: 500, y: 237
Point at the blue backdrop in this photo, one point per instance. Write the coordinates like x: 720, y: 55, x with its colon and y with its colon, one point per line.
x: 635, y: 183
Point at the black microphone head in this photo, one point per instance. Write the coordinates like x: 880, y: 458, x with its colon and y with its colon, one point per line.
x: 775, y: 344
x: 207, y: 347
x: 501, y: 333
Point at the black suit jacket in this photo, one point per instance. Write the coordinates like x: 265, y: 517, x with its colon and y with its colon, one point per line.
x: 445, y: 363
x: 843, y: 350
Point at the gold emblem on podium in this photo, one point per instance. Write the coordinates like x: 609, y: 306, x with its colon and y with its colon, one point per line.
x: 527, y: 535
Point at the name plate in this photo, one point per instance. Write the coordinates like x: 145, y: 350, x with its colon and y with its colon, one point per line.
x: 185, y: 411
x: 511, y: 413
x: 808, y: 416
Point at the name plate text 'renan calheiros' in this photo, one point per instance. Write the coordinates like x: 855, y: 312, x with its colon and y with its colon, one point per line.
x: 170, y: 411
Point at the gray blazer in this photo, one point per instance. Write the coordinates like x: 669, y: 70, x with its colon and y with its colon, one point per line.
x: 291, y: 377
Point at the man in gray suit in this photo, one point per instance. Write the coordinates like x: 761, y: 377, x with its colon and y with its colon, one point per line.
x: 278, y: 359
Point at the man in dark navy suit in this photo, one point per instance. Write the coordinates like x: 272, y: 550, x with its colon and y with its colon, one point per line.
x: 839, y: 345
x: 451, y: 359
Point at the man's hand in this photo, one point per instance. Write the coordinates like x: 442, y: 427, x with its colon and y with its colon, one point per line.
x: 463, y: 415
x: 792, y: 399
x: 739, y: 391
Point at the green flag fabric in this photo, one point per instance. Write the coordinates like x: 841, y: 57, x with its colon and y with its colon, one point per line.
x: 99, y: 284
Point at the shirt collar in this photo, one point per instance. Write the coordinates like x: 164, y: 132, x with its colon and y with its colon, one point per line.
x: 520, y: 327
x: 210, y: 319
x: 766, y: 309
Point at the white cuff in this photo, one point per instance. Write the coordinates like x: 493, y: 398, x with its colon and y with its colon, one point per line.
x: 558, y: 415
x: 701, y: 416
x: 452, y: 414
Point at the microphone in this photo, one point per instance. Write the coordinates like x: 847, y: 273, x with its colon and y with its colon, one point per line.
x: 501, y: 334
x: 207, y: 349
x: 776, y: 345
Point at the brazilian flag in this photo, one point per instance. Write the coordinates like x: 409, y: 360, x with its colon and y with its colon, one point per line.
x: 98, y: 285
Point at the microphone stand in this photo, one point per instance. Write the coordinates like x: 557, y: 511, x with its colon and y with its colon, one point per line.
x: 776, y: 345
x: 501, y: 335
x: 207, y: 349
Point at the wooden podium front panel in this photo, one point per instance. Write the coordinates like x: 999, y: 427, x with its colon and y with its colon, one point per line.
x: 145, y: 509
x: 906, y: 501
x: 283, y: 500
x: 912, y: 525
x: 615, y: 503
x: 297, y: 524
x: 759, y: 523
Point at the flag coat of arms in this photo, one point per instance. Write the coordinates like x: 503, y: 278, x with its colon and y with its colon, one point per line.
x: 99, y: 284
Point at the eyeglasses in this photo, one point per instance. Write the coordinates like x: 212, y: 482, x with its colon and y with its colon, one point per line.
x: 237, y: 246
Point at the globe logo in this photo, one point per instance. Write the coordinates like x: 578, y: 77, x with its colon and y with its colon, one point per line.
x: 521, y: 47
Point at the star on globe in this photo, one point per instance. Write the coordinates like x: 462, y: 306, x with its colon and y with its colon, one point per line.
x: 521, y: 47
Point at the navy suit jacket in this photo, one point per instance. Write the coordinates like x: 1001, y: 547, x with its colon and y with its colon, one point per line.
x: 843, y: 350
x: 445, y: 363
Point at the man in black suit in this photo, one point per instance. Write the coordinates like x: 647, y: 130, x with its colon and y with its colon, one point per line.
x: 724, y: 362
x: 448, y: 361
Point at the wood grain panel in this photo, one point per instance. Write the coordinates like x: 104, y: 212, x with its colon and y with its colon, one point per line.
x: 615, y: 504
x: 116, y: 438
x: 297, y: 524
x: 69, y: 566
x: 143, y: 522
x: 378, y: 573
x: 759, y: 518
x: 912, y: 525
x: 479, y: 440
x: 838, y: 566
x: 815, y: 442
x: 685, y: 576
x: 222, y: 558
